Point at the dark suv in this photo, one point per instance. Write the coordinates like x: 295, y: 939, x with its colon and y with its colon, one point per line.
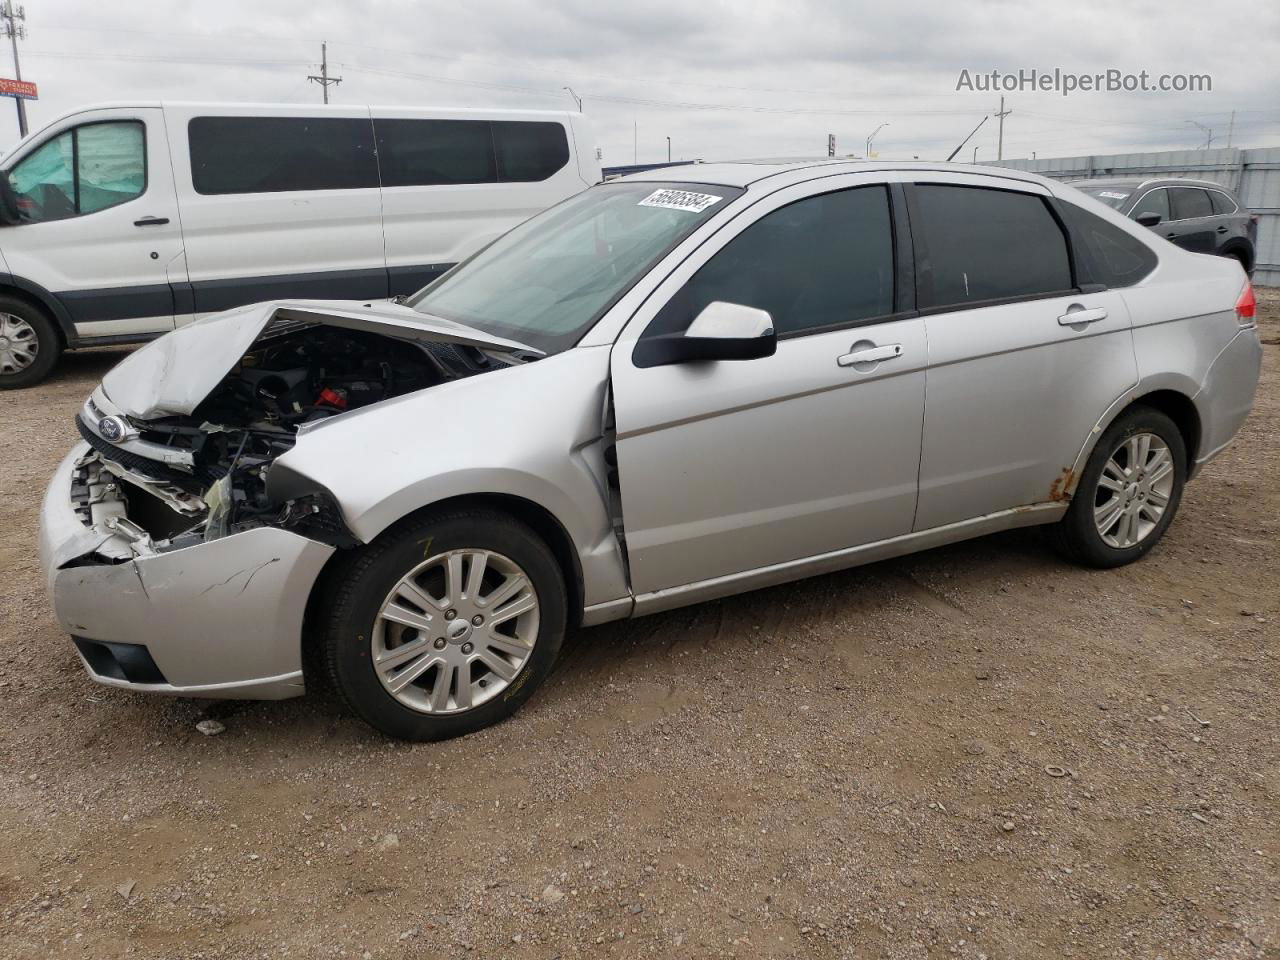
x: 1197, y: 215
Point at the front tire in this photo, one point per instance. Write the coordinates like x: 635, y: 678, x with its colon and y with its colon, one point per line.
x: 445, y: 625
x: 29, y: 344
x: 1128, y: 493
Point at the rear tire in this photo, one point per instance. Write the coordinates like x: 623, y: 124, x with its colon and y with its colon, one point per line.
x: 418, y: 632
x: 1128, y: 493
x: 29, y: 344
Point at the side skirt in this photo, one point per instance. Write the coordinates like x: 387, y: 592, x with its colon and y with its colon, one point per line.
x: 670, y: 599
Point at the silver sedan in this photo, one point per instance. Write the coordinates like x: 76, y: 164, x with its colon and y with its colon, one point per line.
x: 669, y: 388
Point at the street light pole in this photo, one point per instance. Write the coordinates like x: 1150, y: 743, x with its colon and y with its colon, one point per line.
x: 872, y: 137
x: 668, y: 149
x: 576, y: 99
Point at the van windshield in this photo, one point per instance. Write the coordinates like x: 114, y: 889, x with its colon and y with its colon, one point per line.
x: 550, y: 279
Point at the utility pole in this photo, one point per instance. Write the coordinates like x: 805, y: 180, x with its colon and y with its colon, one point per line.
x: 1231, y: 126
x: 324, y: 79
x: 635, y: 141
x: 1000, y: 137
x: 15, y: 29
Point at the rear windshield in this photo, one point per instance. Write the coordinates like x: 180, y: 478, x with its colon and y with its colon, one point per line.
x: 1111, y: 195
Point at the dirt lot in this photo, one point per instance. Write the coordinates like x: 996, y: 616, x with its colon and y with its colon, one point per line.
x: 854, y: 766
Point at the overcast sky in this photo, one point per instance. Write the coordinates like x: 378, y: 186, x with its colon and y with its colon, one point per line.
x: 746, y: 79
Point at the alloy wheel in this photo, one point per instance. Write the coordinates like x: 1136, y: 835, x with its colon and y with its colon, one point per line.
x: 455, y: 631
x: 1133, y: 490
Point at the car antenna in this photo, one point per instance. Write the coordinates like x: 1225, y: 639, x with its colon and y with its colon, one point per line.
x: 968, y: 138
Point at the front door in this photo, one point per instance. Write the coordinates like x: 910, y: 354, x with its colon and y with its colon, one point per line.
x: 731, y: 466
x: 1021, y: 366
x: 101, y: 229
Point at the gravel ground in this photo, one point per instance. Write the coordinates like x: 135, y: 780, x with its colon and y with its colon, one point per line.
x: 853, y: 766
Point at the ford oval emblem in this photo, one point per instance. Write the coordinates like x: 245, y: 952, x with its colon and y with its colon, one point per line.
x: 112, y: 429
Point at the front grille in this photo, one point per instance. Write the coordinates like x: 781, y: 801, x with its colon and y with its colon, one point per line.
x: 131, y: 461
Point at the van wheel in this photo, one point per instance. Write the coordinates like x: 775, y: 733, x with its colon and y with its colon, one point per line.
x: 1128, y: 493
x: 29, y: 344
x: 444, y: 626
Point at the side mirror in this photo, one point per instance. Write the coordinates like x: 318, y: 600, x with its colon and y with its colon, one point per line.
x: 1148, y: 219
x: 722, y: 331
x: 10, y: 214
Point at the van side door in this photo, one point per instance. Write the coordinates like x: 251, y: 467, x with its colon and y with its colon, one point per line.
x: 100, y: 230
x: 277, y: 204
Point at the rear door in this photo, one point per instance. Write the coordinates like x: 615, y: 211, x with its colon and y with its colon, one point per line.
x: 732, y: 466
x: 453, y: 182
x: 1021, y: 363
x: 277, y: 205
x: 101, y: 231
x: 1193, y: 223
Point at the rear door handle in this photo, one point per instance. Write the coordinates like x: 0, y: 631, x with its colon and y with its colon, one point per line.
x: 871, y: 354
x: 151, y: 222
x: 1076, y: 314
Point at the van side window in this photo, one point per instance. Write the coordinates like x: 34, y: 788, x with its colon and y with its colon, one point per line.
x: 422, y: 153
x: 84, y: 170
x: 426, y: 153
x: 528, y: 152
x: 986, y: 244
x: 280, y: 154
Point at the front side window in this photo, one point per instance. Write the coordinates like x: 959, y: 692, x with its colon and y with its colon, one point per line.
x: 280, y: 154
x: 983, y: 244
x: 1190, y: 203
x: 546, y: 282
x: 825, y: 261
x: 84, y: 170
x: 1153, y: 201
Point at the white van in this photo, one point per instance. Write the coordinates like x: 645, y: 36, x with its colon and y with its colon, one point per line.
x: 124, y: 221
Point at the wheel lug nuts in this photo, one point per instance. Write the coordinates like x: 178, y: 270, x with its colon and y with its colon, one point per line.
x: 450, y: 614
x: 439, y: 644
x: 477, y: 620
x: 467, y: 648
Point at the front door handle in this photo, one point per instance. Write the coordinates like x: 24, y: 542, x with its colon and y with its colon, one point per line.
x: 151, y: 222
x: 865, y: 352
x: 1077, y: 314
x: 1222, y: 229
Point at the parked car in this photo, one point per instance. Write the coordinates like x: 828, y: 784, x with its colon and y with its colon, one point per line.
x: 669, y: 388
x: 126, y: 221
x: 1197, y: 215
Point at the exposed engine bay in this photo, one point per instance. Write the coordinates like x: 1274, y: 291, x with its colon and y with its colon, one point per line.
x: 296, y: 375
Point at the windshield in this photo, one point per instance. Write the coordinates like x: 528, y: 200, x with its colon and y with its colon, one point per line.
x: 550, y: 279
x: 1113, y: 196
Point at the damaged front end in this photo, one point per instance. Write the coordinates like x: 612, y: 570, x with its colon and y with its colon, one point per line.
x: 179, y: 468
x: 176, y: 559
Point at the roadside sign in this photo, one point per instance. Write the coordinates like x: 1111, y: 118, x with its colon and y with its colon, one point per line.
x: 831, y: 144
x: 18, y: 89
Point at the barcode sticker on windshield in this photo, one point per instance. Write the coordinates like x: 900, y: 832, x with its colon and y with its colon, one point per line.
x: 679, y: 200
x: 1112, y: 195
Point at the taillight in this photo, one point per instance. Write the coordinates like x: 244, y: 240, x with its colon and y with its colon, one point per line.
x: 1246, y: 306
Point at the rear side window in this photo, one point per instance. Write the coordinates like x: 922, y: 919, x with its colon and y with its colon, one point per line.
x: 1222, y: 203
x: 1153, y: 201
x: 1190, y: 202
x: 528, y: 152
x: 982, y: 244
x: 280, y: 154
x: 1113, y: 257
x: 415, y: 153
x: 90, y: 168
x: 824, y: 261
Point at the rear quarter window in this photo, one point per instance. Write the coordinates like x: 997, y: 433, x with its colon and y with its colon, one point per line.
x: 1106, y: 254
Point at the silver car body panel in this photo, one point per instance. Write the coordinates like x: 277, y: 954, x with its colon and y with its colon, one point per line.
x: 731, y: 477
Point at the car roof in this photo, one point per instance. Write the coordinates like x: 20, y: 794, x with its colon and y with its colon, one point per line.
x: 743, y: 173
x: 1135, y: 183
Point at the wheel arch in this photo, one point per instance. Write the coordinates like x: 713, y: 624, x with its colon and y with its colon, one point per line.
x: 1174, y: 401
x: 41, y: 299
x: 1242, y: 250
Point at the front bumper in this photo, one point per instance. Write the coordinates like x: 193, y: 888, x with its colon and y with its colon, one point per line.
x: 221, y: 618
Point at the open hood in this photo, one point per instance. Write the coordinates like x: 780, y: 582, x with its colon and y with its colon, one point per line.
x: 172, y: 375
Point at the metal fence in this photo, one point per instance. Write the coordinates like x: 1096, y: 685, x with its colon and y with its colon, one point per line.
x: 1254, y: 176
